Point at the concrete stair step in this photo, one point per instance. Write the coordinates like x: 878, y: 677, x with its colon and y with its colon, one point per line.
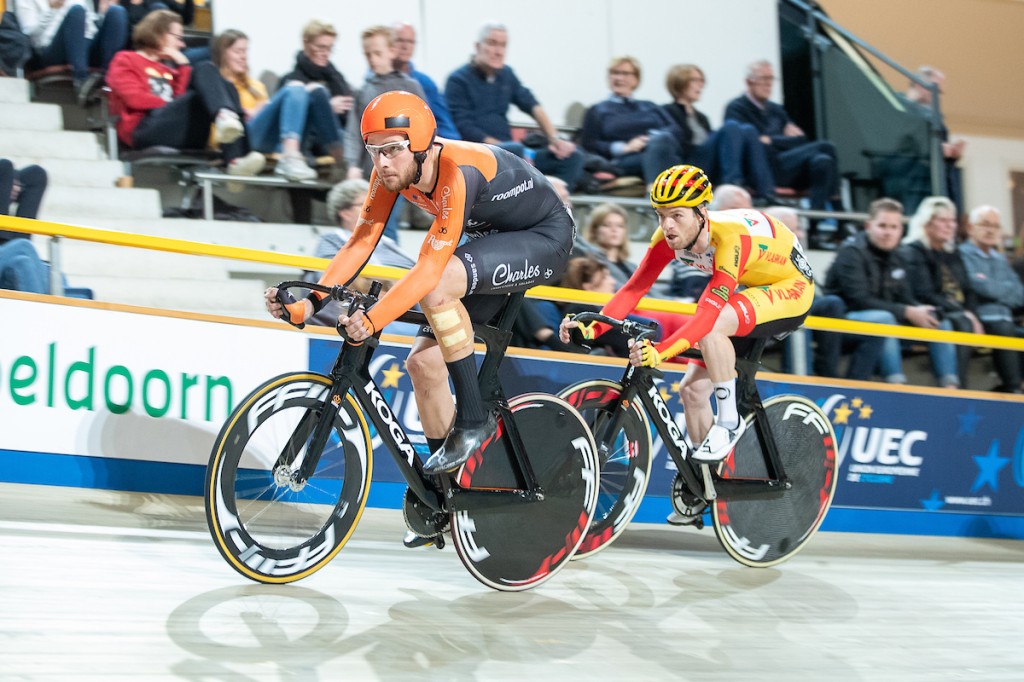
x: 74, y: 172
x: 167, y: 293
x: 50, y: 145
x: 71, y: 204
x: 14, y: 90
x: 28, y: 116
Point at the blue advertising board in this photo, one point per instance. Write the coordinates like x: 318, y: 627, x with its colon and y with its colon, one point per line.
x: 916, y: 462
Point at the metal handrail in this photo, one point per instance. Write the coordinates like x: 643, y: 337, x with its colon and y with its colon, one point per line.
x: 938, y: 171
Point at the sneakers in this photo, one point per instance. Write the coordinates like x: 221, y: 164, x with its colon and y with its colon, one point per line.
x: 719, y: 443
x: 459, y: 446
x: 227, y: 127
x: 248, y: 165
x: 294, y: 168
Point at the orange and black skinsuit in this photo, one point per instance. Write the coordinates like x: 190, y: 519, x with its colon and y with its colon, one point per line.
x: 519, y: 232
x: 748, y: 248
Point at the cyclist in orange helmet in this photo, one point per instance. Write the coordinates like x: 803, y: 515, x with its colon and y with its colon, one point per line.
x: 740, y: 246
x: 519, y: 235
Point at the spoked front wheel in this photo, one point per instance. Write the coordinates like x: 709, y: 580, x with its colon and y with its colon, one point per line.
x: 268, y: 523
x: 765, y: 531
x: 511, y: 543
x: 624, y: 456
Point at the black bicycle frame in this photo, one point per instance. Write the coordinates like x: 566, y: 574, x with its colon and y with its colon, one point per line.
x: 638, y: 384
x: 352, y: 364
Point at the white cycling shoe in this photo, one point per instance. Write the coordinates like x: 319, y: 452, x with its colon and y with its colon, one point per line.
x: 719, y: 443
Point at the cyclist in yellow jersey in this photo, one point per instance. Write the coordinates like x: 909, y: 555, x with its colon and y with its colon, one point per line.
x: 736, y: 247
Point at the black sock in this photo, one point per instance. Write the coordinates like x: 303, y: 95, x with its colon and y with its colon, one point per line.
x: 470, y: 410
x: 433, y: 444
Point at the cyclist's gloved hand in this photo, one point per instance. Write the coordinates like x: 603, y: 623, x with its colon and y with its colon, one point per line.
x: 644, y: 354
x: 299, y: 311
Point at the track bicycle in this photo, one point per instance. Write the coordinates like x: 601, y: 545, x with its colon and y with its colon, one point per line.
x: 766, y: 499
x: 289, y: 474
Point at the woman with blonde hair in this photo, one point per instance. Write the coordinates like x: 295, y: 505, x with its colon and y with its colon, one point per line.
x: 937, y: 274
x: 297, y: 117
x: 608, y: 232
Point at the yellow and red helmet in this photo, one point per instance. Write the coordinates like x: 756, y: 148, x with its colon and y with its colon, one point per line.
x: 399, y: 111
x: 681, y: 186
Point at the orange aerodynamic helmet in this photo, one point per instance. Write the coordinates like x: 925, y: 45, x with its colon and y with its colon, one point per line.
x: 399, y: 111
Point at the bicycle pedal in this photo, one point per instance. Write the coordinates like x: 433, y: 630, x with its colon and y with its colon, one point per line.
x: 709, y: 485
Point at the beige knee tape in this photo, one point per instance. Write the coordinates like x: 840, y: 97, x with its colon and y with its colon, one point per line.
x: 452, y: 327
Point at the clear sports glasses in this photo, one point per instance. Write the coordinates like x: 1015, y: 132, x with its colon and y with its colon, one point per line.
x: 389, y: 150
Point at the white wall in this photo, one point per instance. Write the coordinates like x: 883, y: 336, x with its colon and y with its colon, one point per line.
x: 560, y: 50
x: 987, y: 164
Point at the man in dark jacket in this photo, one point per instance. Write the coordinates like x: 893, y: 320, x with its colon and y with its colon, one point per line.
x: 799, y: 163
x: 869, y: 275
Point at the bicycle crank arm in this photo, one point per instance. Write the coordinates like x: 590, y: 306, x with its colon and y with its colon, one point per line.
x: 463, y: 498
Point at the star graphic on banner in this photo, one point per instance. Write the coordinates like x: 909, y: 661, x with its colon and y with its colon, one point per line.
x: 391, y: 376
x: 841, y: 414
x: 856, y: 402
x: 988, y: 468
x: 865, y: 412
x: 665, y: 395
x: 933, y: 503
x: 968, y: 421
x: 675, y: 387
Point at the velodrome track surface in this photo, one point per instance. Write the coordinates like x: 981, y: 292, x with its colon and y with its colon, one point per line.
x: 107, y: 585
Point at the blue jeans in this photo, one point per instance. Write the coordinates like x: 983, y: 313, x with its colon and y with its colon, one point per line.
x: 69, y: 45
x: 21, y: 268
x: 662, y: 151
x: 297, y: 113
x: 569, y: 169
x: 890, y: 362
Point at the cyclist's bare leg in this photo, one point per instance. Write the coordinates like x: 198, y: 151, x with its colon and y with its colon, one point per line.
x: 695, y: 392
x: 429, y: 377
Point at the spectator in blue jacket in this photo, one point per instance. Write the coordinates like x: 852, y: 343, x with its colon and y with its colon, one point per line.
x: 798, y: 162
x: 479, y: 95
x: 637, y: 136
x: 405, y: 45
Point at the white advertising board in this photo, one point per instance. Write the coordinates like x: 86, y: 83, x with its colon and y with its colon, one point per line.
x: 125, y: 385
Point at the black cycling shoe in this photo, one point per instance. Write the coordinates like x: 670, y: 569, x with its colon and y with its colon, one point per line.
x: 459, y: 446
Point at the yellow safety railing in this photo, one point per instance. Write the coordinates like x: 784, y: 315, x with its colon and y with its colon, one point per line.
x: 183, y: 246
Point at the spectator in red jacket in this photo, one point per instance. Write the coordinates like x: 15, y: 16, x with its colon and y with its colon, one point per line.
x: 164, y: 101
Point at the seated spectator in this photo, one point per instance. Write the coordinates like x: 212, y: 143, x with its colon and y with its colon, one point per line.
x: 912, y: 177
x: 138, y: 9
x: 479, y: 95
x: 635, y: 135
x: 298, y: 116
x: 871, y: 278
x: 796, y: 162
x: 71, y: 32
x: 162, y: 101
x: 405, y: 45
x: 344, y: 202
x: 997, y: 288
x: 589, y: 274
x: 936, y: 270
x: 21, y: 269
x: 313, y: 65
x: 379, y: 50
x: 733, y: 154
x: 608, y: 233
x: 24, y: 187
x: 828, y: 346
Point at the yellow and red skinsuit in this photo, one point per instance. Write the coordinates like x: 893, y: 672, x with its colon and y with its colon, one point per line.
x: 448, y: 203
x: 747, y: 247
